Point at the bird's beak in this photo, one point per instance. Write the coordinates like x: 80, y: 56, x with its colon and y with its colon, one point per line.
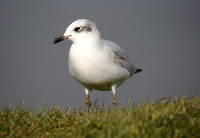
x: 60, y: 38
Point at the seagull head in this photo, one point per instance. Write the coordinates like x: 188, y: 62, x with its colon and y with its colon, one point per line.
x: 79, y: 30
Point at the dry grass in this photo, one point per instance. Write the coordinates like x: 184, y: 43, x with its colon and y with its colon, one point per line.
x: 158, y: 118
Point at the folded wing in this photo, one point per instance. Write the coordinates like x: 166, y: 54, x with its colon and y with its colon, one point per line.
x: 121, y: 58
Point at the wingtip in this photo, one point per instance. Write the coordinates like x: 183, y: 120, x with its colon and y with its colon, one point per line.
x: 138, y: 70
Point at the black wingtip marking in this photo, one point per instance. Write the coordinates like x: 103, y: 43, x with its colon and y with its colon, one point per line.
x: 138, y: 70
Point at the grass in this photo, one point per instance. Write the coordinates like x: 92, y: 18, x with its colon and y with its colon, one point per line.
x: 158, y: 118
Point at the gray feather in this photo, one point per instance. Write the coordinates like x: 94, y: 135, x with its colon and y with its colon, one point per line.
x: 120, y: 57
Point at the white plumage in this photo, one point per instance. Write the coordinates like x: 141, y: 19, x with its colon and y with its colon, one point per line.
x: 94, y: 62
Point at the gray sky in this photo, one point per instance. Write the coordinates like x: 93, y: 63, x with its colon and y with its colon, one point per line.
x: 161, y: 37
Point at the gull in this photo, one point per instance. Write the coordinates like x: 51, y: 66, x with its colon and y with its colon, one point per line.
x: 94, y: 62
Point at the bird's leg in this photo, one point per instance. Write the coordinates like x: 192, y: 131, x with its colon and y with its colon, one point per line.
x: 114, y: 97
x: 88, y: 103
x: 114, y: 101
x: 87, y: 91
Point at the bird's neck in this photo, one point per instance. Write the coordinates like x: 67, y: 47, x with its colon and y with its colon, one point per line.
x: 93, y: 41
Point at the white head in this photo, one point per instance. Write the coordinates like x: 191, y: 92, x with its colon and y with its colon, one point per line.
x: 79, y: 30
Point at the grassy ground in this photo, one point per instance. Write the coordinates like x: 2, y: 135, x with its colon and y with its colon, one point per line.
x: 158, y: 118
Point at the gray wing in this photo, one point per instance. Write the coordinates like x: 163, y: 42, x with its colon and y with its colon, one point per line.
x: 120, y: 57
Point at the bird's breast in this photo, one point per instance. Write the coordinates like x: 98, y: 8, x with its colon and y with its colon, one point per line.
x: 87, y: 64
x: 96, y: 67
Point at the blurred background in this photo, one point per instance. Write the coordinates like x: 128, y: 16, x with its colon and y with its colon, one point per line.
x: 161, y: 37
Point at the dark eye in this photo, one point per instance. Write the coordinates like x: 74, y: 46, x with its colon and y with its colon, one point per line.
x: 77, y: 29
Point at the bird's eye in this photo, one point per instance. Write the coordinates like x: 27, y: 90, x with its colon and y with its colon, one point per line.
x: 77, y: 29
